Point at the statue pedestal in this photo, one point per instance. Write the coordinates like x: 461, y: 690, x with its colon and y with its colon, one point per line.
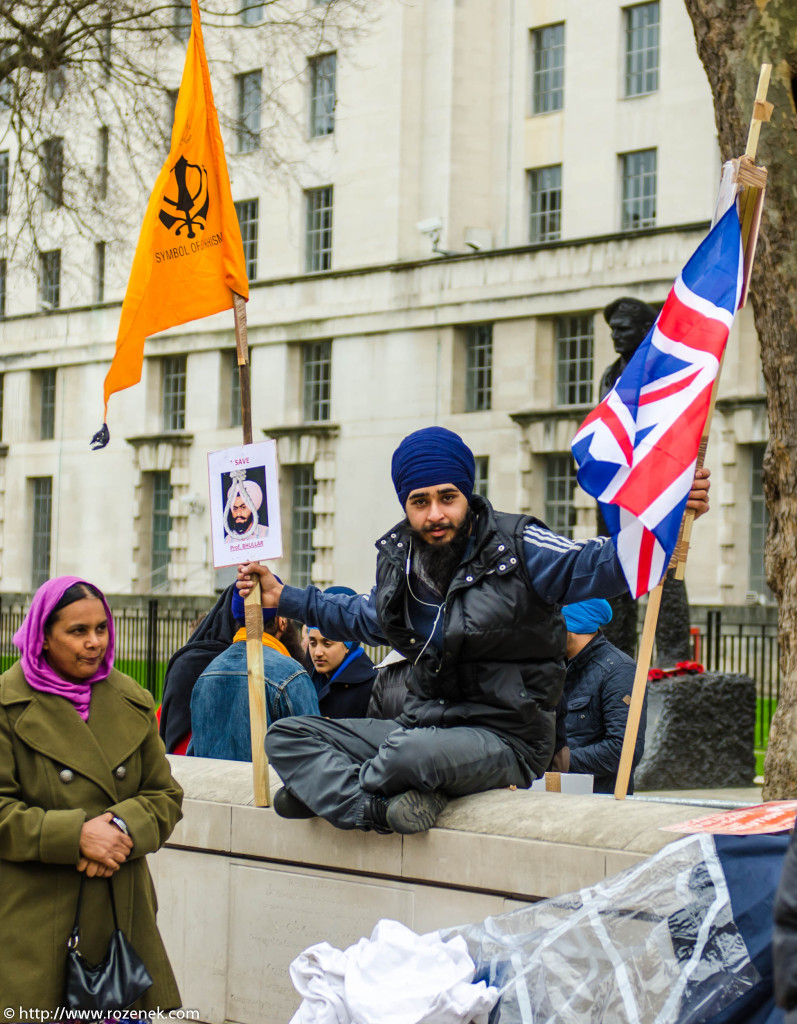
x: 700, y: 733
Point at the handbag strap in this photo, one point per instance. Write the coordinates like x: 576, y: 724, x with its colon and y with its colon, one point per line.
x: 74, y: 937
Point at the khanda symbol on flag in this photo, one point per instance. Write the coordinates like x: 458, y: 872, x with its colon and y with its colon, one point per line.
x: 187, y: 201
x: 189, y: 259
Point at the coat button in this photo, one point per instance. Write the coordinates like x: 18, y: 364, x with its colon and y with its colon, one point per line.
x: 501, y: 547
x: 469, y: 579
x: 66, y: 775
x: 502, y: 567
x: 512, y: 561
x: 442, y: 702
x: 120, y: 772
x: 383, y: 542
x: 412, y: 640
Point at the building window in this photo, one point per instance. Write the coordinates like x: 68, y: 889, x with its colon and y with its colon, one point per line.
x: 249, y: 86
x: 574, y: 360
x: 174, y: 371
x: 316, y: 380
x: 56, y: 83
x: 52, y: 166
x: 251, y: 13
x: 104, y: 40
x: 639, y: 189
x: 560, y: 487
x: 545, y: 204
x: 318, y: 254
x: 161, y: 527
x: 3, y: 277
x: 759, y: 521
x: 42, y: 529
x: 171, y: 107
x: 5, y: 183
x: 641, y: 49
x: 247, y: 211
x: 322, y: 94
x: 302, y: 526
x: 99, y: 271
x: 478, y: 367
x: 480, y: 480
x: 181, y: 19
x: 50, y: 279
x: 2, y: 401
x: 47, y: 405
x: 103, y: 146
x: 235, y: 391
x: 548, y: 77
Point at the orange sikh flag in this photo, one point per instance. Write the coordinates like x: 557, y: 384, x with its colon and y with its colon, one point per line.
x: 189, y: 259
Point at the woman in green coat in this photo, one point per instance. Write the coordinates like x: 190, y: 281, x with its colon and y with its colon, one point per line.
x: 85, y: 789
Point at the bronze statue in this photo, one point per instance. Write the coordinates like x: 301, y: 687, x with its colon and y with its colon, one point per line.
x: 630, y: 320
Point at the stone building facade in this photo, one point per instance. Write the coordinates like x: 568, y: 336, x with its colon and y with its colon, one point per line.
x: 477, y: 180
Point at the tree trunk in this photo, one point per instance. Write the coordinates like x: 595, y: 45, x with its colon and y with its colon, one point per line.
x: 734, y: 37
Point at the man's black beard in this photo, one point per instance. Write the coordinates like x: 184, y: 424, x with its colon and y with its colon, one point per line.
x: 237, y: 527
x: 437, y: 563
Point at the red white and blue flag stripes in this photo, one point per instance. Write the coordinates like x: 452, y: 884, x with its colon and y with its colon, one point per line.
x: 637, y: 451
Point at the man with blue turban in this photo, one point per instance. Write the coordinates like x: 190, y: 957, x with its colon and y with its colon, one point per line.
x: 598, y: 687
x: 471, y: 597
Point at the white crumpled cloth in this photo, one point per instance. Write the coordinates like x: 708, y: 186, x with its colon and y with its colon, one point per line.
x: 395, y: 977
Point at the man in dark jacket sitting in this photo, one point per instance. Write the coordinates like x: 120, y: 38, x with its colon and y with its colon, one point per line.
x: 471, y: 597
x: 598, y: 688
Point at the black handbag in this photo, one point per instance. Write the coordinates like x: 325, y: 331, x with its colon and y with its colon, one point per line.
x: 115, y: 983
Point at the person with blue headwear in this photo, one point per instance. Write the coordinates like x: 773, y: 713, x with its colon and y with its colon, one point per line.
x: 598, y: 687
x: 220, y: 697
x: 342, y: 672
x: 471, y: 597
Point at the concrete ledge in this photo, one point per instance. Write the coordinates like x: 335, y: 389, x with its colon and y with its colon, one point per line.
x: 242, y: 892
x: 584, y: 830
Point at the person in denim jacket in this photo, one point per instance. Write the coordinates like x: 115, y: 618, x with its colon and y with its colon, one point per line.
x: 598, y: 687
x: 220, y: 698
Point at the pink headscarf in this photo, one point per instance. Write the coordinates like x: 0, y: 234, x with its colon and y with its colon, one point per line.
x: 29, y: 638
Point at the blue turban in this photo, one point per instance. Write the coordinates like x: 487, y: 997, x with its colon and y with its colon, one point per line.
x: 430, y: 457
x: 348, y: 644
x: 239, y: 609
x: 587, y: 616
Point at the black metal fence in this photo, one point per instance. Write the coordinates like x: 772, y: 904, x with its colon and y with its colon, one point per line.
x: 150, y: 630
x: 722, y: 645
x: 147, y: 634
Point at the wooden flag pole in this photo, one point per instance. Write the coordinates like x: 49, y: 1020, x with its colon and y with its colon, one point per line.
x: 254, y: 615
x: 753, y: 180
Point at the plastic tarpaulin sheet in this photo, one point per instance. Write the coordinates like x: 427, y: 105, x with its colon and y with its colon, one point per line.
x: 656, y: 944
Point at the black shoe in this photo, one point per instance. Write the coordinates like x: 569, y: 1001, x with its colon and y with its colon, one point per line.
x: 287, y: 806
x: 375, y: 819
x: 413, y: 811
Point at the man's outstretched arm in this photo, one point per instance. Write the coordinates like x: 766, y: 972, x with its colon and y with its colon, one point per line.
x: 563, y: 571
x: 338, y: 616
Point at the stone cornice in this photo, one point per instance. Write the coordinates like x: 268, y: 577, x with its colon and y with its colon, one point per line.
x: 180, y: 438
x: 306, y: 429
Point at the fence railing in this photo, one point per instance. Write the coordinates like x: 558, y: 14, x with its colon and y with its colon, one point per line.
x: 148, y: 633
x: 146, y: 636
x: 748, y: 648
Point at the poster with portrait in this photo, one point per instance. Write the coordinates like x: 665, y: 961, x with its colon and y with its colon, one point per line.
x: 244, y: 504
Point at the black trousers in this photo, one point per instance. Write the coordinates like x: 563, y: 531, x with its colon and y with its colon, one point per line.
x: 334, y: 766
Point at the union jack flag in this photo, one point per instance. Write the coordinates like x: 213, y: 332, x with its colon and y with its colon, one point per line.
x: 637, y: 451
